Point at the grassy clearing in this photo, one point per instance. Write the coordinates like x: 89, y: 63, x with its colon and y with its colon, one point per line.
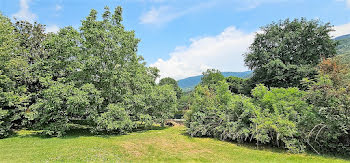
x: 170, y: 145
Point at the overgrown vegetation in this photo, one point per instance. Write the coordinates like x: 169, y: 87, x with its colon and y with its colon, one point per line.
x: 300, y: 100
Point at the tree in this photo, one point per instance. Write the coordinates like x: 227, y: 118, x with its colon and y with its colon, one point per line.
x: 90, y: 77
x: 162, y: 103
x: 287, y: 51
x: 236, y: 84
x: 95, y: 76
x: 211, y: 77
x: 13, y: 67
x: 31, y: 38
x: 173, y: 83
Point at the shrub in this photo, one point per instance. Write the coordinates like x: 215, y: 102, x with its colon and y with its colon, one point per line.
x: 115, y: 120
x: 61, y: 103
x: 330, y: 130
x: 275, y: 117
x: 202, y: 117
x: 281, y: 118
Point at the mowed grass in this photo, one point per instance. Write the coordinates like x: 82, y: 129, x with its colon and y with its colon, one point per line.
x: 162, y: 145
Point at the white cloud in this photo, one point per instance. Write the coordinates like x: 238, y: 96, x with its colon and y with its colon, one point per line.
x: 341, y: 30
x: 58, y: 7
x: 24, y: 13
x: 347, y: 2
x: 223, y: 52
x: 252, y: 4
x: 164, y: 14
x: 158, y: 16
x: 52, y: 28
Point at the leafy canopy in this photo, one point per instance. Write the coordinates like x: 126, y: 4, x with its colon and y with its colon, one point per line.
x: 287, y: 51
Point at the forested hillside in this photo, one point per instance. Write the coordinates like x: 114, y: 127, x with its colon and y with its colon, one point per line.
x: 343, y: 44
x: 190, y: 82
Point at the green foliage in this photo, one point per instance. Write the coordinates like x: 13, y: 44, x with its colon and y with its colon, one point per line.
x: 163, y: 103
x: 282, y: 117
x: 78, y: 78
x: 343, y: 46
x: 330, y: 96
x: 173, y: 83
x: 183, y: 105
x: 62, y: 103
x: 5, y: 125
x: 13, y: 95
x: 116, y: 120
x: 201, y: 117
x: 287, y: 51
x: 237, y: 85
x: 93, y: 78
x: 211, y: 77
x: 168, y: 80
x: 276, y: 117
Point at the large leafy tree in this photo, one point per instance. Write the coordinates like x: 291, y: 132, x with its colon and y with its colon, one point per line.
x: 173, y: 83
x: 94, y: 75
x: 287, y: 51
x: 211, y: 77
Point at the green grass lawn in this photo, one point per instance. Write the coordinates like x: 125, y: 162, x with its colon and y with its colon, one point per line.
x: 170, y: 145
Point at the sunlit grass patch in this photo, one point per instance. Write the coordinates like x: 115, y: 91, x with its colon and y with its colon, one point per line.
x: 160, y: 145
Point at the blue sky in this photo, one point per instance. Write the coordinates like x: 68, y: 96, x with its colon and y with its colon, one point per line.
x: 185, y: 37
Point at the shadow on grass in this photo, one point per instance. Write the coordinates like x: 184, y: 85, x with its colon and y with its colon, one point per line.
x: 78, y: 132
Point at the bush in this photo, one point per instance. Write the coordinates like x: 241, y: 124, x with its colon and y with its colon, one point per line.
x: 201, y: 118
x: 116, y: 120
x: 282, y: 116
x: 162, y: 103
x: 62, y: 103
x: 275, y: 117
x: 330, y: 97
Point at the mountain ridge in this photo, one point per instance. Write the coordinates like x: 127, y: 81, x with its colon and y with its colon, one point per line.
x: 343, y: 48
x: 190, y: 82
